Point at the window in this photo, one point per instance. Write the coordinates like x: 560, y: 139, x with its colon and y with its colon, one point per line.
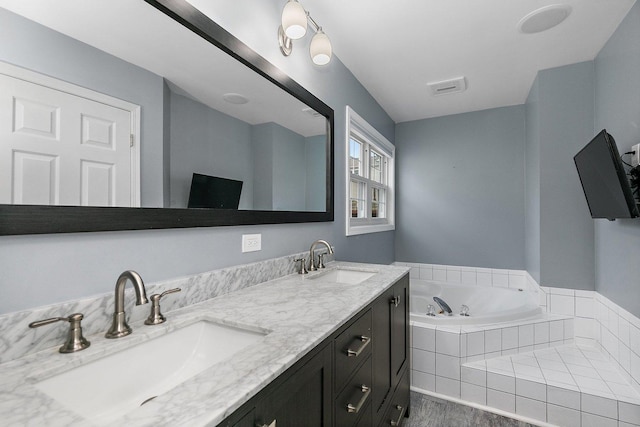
x: 370, y: 178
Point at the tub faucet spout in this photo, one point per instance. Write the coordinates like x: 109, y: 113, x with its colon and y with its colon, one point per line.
x: 443, y: 306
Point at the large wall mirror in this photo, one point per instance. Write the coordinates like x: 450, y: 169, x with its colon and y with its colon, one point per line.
x: 138, y: 114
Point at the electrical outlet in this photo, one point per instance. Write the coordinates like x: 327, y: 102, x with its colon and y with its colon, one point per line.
x: 251, y: 242
x: 635, y: 159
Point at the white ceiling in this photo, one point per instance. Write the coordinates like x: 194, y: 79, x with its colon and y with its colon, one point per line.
x: 395, y: 47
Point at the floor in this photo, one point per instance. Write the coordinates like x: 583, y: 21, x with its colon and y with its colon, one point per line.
x: 427, y: 411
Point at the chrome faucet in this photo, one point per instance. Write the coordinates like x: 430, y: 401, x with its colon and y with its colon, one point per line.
x: 119, y: 327
x: 312, y: 265
x: 443, y: 305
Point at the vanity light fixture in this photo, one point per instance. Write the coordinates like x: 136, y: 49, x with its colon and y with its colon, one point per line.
x: 294, y: 25
x: 294, y: 20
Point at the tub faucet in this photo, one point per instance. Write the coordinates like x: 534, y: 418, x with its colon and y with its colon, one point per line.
x: 119, y: 327
x: 312, y: 265
x: 443, y: 305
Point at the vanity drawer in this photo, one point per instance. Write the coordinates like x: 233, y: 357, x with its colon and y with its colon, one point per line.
x: 397, y: 411
x: 354, y: 401
x: 352, y: 347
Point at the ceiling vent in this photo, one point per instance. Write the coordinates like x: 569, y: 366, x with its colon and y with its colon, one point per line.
x: 448, y: 86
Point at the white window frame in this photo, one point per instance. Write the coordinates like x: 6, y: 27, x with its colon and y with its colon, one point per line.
x: 359, y: 127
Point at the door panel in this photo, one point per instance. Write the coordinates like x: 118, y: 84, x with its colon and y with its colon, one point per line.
x: 304, y: 399
x: 61, y: 149
x: 399, y: 329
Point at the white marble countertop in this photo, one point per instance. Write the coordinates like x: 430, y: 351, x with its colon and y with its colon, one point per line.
x: 299, y: 314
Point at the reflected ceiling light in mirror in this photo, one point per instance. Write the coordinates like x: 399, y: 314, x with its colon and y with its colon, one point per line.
x: 235, y: 98
x: 294, y: 26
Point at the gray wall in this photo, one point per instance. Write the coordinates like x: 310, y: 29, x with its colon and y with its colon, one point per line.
x: 560, y: 228
x: 289, y: 164
x: 271, y: 160
x: 532, y: 179
x: 316, y: 173
x: 262, y: 145
x: 206, y: 141
x: 460, y: 183
x: 166, y: 147
x: 283, y: 162
x: 44, y: 269
x: 280, y: 165
x: 617, y: 244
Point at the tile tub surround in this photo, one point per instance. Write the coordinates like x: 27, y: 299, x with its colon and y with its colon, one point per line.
x: 600, y: 328
x: 299, y: 313
x: 455, y: 274
x: 438, y: 352
x: 17, y: 340
x: 601, y: 323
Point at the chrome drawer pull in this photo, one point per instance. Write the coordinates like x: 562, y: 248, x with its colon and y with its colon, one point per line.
x: 397, y: 423
x: 354, y: 409
x: 364, y: 343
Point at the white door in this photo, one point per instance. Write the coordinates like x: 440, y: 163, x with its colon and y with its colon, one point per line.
x: 59, y: 148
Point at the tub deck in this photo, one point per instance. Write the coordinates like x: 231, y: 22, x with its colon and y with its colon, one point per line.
x: 568, y: 385
x: 532, y: 368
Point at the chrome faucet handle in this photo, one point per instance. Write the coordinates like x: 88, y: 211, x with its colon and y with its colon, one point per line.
x: 155, y: 317
x: 464, y: 310
x: 75, y: 340
x: 321, y: 259
x: 303, y: 265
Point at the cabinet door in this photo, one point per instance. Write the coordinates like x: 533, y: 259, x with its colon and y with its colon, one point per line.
x: 399, y: 329
x: 304, y: 399
x: 390, y: 342
x: 381, y: 331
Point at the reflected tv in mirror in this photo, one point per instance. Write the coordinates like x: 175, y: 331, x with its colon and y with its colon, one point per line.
x: 213, y: 192
x: 604, y: 179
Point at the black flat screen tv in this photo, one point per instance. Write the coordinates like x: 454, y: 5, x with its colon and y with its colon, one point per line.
x: 214, y: 192
x: 604, y: 179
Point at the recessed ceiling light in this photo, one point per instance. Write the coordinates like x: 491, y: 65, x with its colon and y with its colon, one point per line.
x: 544, y: 18
x: 235, y: 98
x: 310, y: 111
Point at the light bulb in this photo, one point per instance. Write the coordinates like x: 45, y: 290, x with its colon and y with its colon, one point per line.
x: 320, y: 48
x: 294, y: 20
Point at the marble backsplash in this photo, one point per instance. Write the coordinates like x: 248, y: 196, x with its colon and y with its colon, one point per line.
x: 17, y: 339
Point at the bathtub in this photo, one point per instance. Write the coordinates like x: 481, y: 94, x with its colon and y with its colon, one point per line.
x: 486, y: 304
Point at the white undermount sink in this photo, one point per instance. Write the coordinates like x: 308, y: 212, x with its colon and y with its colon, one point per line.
x: 345, y: 276
x: 108, y: 388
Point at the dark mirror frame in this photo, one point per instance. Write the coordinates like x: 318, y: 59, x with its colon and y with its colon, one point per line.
x: 29, y: 219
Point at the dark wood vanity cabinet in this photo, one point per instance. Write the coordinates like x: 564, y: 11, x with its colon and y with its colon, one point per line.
x: 391, y: 351
x: 304, y: 399
x: 358, y: 377
x: 302, y: 396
